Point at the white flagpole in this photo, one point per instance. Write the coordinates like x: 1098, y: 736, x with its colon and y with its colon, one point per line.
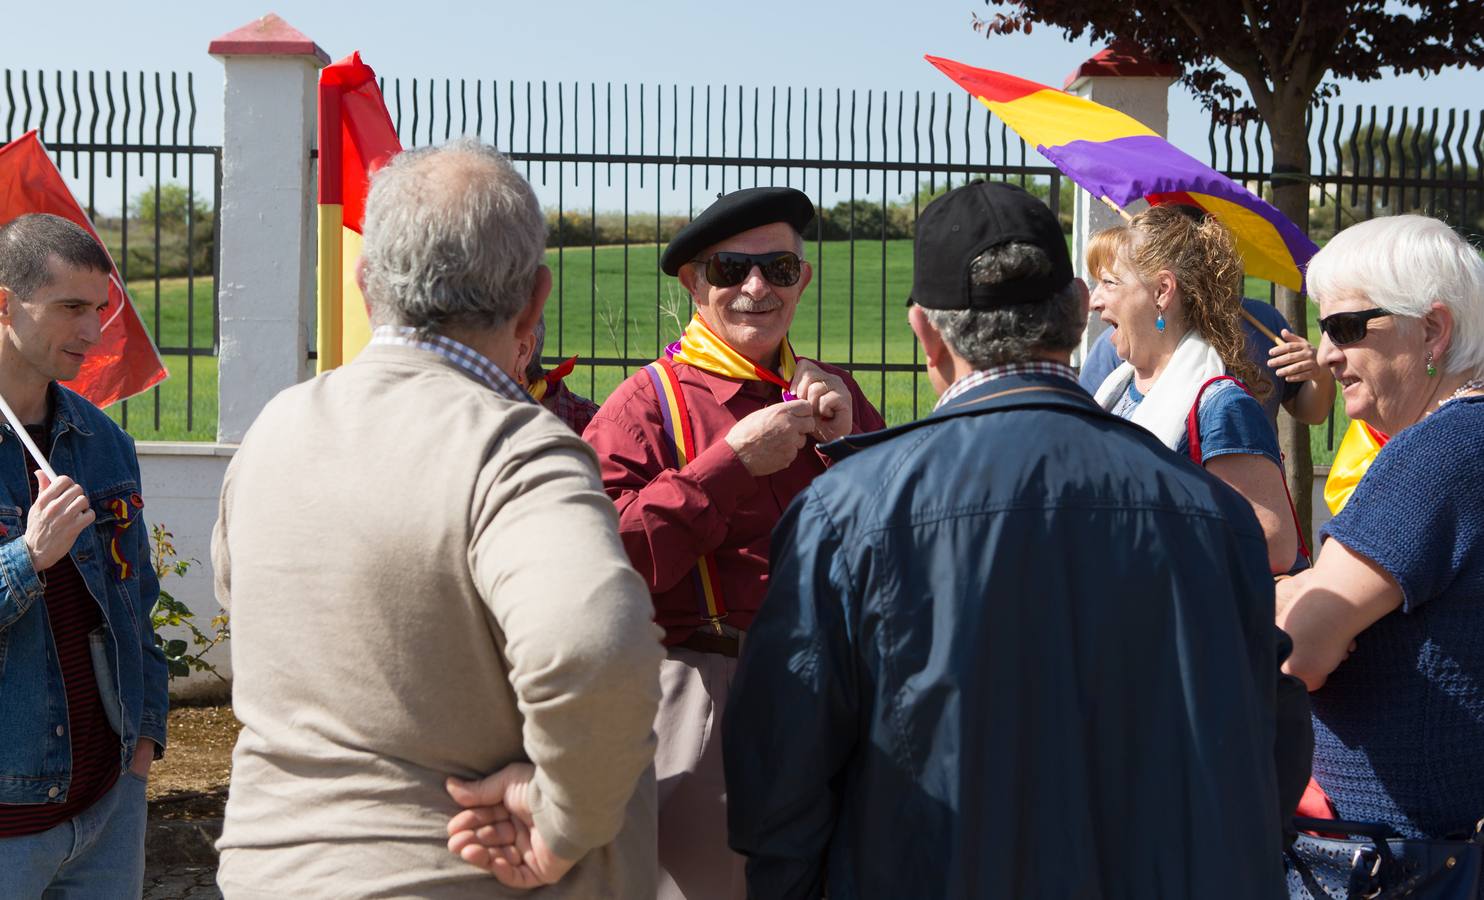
x: 20, y: 432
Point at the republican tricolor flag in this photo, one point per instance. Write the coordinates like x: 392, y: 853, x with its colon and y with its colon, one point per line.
x: 356, y: 137
x: 124, y: 362
x: 1117, y: 158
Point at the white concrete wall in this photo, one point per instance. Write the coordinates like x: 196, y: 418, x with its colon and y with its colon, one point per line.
x: 267, y: 234
x: 182, y: 482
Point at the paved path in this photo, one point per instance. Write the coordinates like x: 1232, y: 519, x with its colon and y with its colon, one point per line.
x: 181, y: 883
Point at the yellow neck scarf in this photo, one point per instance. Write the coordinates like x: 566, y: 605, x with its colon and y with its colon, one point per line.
x: 703, y: 348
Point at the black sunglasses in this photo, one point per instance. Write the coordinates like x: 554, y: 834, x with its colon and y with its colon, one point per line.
x: 1348, y: 327
x: 726, y: 269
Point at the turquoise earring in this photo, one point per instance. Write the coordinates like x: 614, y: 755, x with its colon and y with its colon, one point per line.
x: 1159, y: 322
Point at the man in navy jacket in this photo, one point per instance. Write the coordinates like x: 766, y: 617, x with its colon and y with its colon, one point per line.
x: 1017, y: 648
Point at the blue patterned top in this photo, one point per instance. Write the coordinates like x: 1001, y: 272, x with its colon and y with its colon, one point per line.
x: 1399, y: 726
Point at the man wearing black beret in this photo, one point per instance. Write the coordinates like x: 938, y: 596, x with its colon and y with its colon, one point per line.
x: 1005, y: 645
x: 702, y: 451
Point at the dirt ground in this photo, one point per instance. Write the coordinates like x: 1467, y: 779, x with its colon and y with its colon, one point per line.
x: 191, y: 781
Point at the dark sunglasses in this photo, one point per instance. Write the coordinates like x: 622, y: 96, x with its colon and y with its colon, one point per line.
x: 724, y: 269
x: 1348, y: 327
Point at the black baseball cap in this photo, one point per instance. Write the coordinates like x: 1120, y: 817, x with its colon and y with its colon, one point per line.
x: 733, y: 214
x: 963, y: 223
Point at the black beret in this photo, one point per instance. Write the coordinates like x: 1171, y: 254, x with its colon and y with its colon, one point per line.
x: 733, y: 214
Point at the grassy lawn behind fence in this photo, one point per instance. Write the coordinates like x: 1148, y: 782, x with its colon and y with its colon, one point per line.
x: 630, y: 313
x: 183, y: 306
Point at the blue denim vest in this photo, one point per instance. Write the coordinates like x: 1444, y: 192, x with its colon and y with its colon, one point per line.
x: 35, y: 750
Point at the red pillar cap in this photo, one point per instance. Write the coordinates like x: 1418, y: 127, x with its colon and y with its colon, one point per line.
x: 1122, y: 59
x: 268, y: 36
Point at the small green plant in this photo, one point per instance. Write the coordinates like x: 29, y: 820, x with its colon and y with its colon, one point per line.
x: 181, y: 656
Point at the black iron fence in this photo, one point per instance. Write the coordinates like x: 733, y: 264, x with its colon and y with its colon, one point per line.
x: 656, y: 154
x: 622, y: 167
x: 653, y: 155
x: 1369, y: 161
x: 126, y: 144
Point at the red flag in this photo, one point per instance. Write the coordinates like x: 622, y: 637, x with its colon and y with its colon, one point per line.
x: 124, y: 362
x: 356, y: 137
x: 366, y: 139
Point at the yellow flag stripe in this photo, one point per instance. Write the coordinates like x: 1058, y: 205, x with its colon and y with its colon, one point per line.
x: 329, y: 281
x: 1264, y: 254
x: 355, y: 327
x: 1051, y: 118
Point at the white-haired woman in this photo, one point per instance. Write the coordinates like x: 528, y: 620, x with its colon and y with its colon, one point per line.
x: 1399, y: 722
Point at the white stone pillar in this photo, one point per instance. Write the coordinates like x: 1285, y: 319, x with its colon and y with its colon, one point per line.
x: 267, y: 239
x: 1118, y: 77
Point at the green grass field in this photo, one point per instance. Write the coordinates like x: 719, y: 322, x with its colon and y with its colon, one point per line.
x: 853, y: 312
x: 173, y: 302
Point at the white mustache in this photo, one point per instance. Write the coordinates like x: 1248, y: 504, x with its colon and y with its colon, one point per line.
x: 748, y: 304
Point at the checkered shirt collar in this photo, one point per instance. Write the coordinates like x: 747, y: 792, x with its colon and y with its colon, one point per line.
x: 980, y: 376
x: 461, y: 355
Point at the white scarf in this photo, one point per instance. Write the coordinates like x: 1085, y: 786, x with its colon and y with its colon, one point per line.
x: 1166, y: 407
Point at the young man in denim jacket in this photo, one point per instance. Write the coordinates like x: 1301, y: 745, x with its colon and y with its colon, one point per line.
x: 82, y: 684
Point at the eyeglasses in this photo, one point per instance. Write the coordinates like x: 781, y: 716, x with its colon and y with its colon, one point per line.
x: 1348, y: 327
x: 725, y: 269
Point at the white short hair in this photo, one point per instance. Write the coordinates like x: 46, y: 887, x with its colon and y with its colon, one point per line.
x: 1404, y: 264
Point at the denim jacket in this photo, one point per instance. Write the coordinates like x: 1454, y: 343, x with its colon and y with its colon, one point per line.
x: 35, y: 753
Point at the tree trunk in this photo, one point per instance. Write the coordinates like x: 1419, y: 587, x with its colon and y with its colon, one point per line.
x: 1291, y: 197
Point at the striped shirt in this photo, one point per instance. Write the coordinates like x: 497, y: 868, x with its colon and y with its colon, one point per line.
x: 980, y: 376
x: 461, y: 355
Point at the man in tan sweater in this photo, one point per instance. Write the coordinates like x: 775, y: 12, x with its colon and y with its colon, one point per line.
x: 425, y: 581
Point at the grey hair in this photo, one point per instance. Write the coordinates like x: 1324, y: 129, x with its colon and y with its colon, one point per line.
x: 1404, y: 264
x: 28, y: 242
x: 453, y: 237
x: 1011, y: 334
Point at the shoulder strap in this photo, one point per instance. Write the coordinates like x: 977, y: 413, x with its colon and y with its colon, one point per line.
x: 1193, y: 421
x: 673, y: 411
x: 1193, y: 440
x: 682, y: 447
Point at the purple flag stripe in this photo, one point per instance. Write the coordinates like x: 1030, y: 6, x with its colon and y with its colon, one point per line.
x: 1128, y: 169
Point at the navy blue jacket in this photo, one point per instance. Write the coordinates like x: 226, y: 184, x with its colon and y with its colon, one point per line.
x: 1015, y: 649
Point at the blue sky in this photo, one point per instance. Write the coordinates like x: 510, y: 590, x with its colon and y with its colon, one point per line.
x: 866, y: 45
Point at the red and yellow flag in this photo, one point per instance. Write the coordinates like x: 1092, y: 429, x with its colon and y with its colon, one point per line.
x: 356, y: 137
x: 124, y: 362
x: 1352, y: 460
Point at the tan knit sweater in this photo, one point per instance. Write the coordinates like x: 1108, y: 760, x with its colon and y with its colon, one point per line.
x: 425, y: 579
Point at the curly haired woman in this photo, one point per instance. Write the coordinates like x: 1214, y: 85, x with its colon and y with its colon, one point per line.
x: 1170, y: 285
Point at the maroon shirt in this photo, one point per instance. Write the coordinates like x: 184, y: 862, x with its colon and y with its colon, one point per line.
x: 668, y: 519
x: 574, y: 409
x: 72, y: 613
